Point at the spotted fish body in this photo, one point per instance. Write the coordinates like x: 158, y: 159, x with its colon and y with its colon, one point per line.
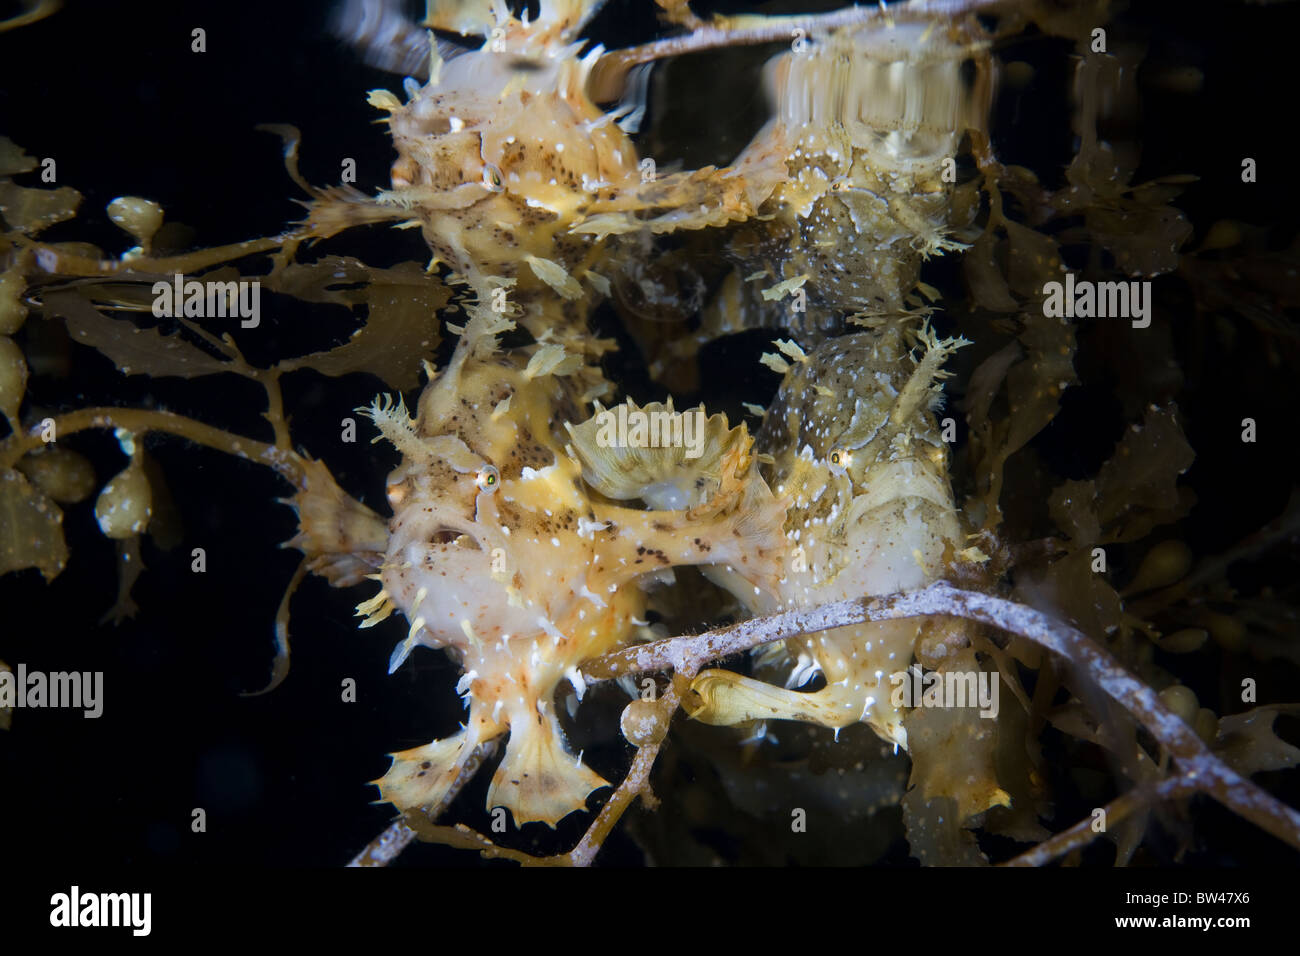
x: 857, y: 451
x: 501, y: 553
x: 508, y: 547
x: 500, y: 154
x: 867, y: 123
x: 522, y: 185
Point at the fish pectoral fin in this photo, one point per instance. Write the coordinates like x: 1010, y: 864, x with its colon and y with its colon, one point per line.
x: 725, y: 698
x: 423, y: 778
x: 538, y: 779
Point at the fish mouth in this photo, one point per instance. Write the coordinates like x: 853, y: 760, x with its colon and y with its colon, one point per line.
x: 448, y: 536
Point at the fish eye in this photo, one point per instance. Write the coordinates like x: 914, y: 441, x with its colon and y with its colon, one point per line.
x: 488, y: 479
x: 839, y: 460
x: 492, y: 177
x: 396, y: 493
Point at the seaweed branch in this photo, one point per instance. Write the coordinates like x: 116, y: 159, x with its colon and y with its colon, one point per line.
x: 283, y: 461
x: 1083, y: 833
x: 1199, y: 770
x: 608, y: 77
x: 637, y: 781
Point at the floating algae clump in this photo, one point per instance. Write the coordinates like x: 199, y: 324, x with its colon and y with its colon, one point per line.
x: 950, y: 591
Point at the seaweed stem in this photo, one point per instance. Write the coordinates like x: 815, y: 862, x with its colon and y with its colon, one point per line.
x: 637, y: 780
x: 607, y: 78
x: 1199, y: 768
x: 1083, y: 833
x: 282, y: 460
x: 384, y: 849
